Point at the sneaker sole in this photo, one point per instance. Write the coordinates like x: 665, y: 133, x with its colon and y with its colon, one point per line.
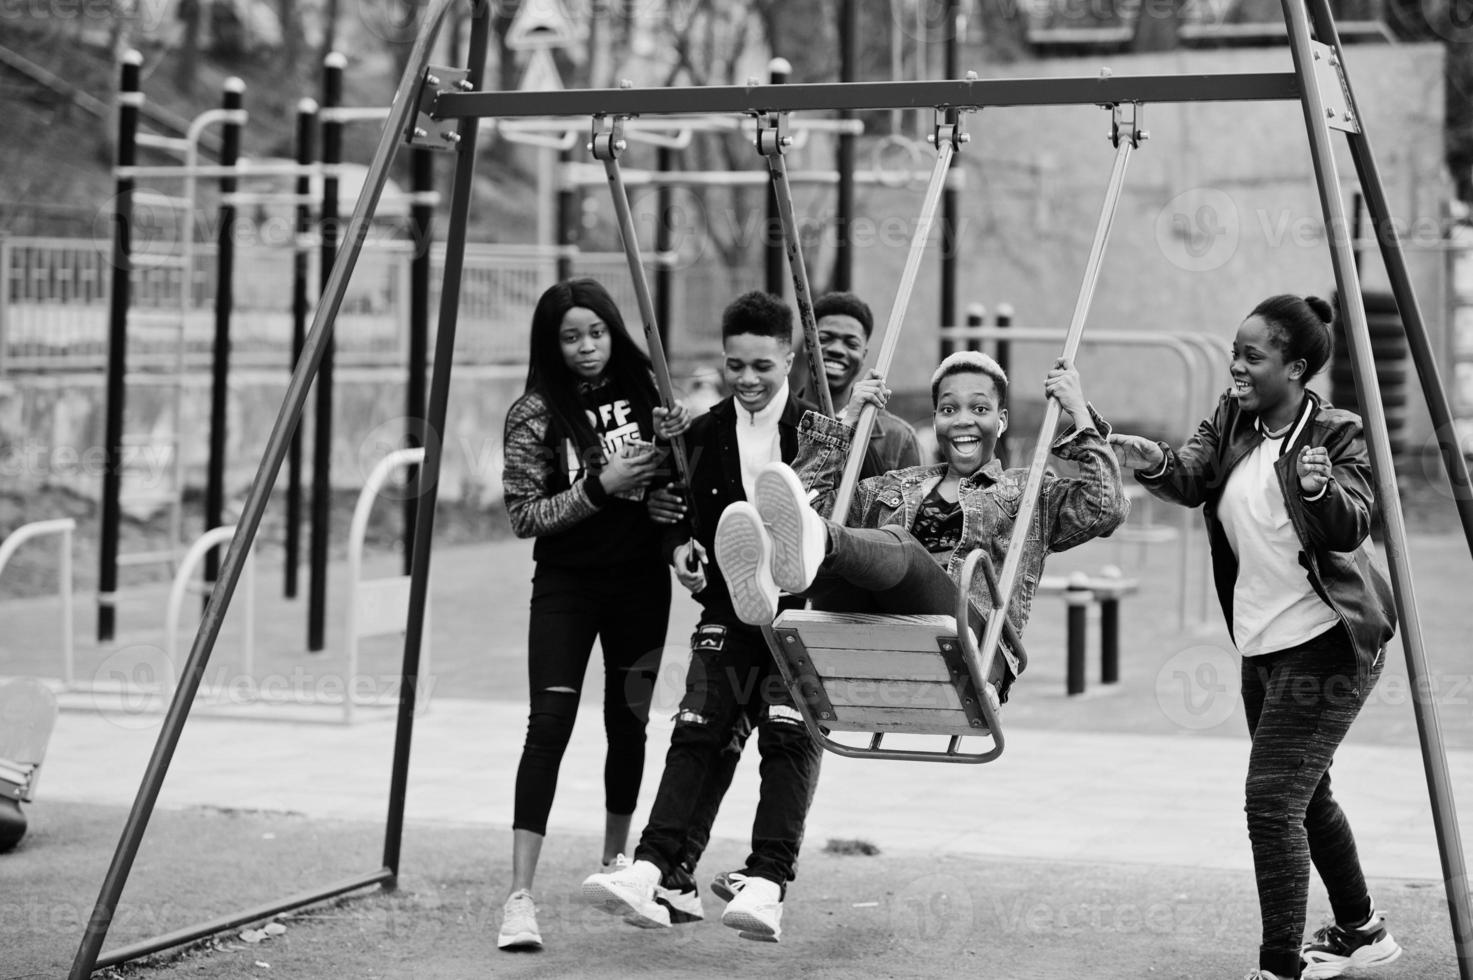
x: 1376, y: 957
x: 719, y: 889
x: 777, y: 494
x: 740, y: 556
x: 522, y: 942
x: 607, y: 900
x: 750, y: 927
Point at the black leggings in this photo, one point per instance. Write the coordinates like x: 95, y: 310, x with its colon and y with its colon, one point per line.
x: 627, y: 608
x: 1300, y: 703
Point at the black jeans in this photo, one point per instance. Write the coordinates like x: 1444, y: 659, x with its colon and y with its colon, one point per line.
x: 1300, y: 703
x: 874, y: 570
x: 627, y: 608
x: 732, y: 681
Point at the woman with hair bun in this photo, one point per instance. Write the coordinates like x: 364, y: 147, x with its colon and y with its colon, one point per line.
x: 1284, y: 483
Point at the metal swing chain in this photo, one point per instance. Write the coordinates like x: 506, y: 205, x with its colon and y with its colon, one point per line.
x: 1126, y: 135
x: 606, y: 143
x: 771, y: 140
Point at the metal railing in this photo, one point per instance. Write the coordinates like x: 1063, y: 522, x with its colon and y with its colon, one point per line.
x: 54, y: 303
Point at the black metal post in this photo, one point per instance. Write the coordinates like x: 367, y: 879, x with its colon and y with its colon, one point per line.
x: 1077, y: 598
x: 301, y: 305
x: 844, y: 205
x: 421, y: 221
x: 569, y: 218
x: 427, y: 486
x: 321, y: 530
x: 1109, y: 636
x: 233, y: 99
x: 976, y: 317
x: 950, y: 199
x: 130, y: 100
x: 778, y: 70
x: 664, y: 241
x: 1004, y: 360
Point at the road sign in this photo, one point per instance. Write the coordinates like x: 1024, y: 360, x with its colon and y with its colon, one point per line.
x: 540, y: 24
x: 541, y: 74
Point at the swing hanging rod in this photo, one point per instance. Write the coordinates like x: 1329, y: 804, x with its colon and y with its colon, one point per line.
x: 948, y: 136
x: 953, y: 93
x: 1126, y: 134
x: 606, y: 144
x: 771, y: 139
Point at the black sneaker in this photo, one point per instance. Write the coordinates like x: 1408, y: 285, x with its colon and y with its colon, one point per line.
x: 1336, y: 949
x: 727, y: 883
x: 678, y: 893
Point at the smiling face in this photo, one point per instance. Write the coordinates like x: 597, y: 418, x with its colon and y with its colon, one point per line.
x: 585, y: 342
x: 968, y: 420
x: 755, y: 368
x: 844, y: 346
x: 1262, y: 383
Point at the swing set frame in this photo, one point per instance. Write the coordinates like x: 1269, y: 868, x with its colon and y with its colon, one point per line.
x: 441, y: 108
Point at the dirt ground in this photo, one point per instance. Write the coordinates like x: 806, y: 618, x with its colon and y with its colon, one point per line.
x: 889, y: 915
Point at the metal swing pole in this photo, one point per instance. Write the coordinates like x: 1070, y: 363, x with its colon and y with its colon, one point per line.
x: 606, y: 144
x: 771, y: 140
x: 88, y: 956
x: 1126, y: 135
x: 1327, y: 102
x: 1415, y: 327
x: 948, y: 137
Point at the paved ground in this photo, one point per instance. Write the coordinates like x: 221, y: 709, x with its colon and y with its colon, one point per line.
x: 1148, y: 772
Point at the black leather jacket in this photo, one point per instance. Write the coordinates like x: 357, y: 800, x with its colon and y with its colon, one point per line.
x: 1333, y: 529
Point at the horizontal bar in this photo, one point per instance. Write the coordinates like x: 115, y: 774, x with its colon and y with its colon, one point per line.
x: 974, y: 93
x: 242, y: 171
x: 203, y: 929
x: 589, y: 175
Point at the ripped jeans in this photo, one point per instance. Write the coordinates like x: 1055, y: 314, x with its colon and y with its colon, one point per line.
x: 732, y: 677
x: 626, y: 608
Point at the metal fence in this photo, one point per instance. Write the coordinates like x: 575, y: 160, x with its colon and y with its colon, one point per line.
x: 54, y: 295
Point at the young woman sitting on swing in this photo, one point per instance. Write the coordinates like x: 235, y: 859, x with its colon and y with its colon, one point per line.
x: 901, y: 547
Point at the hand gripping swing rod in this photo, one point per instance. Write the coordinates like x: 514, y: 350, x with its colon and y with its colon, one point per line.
x: 771, y: 140
x: 948, y: 136
x: 606, y: 144
x: 1126, y: 135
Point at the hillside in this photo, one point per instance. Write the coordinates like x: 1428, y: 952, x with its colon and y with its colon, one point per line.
x: 56, y: 179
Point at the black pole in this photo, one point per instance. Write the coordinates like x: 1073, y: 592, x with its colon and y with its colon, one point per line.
x: 130, y: 100
x: 664, y: 241
x: 421, y: 220
x: 1004, y: 361
x: 332, y: 154
x: 301, y: 306
x: 427, y: 487
x: 976, y: 317
x: 844, y: 206
x: 233, y: 99
x: 1109, y: 637
x: 1077, y: 597
x: 778, y: 70
x: 569, y: 218
x: 950, y: 199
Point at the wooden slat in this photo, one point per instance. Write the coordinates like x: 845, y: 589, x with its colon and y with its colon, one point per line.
x: 864, y: 692
x: 864, y: 631
x: 921, y: 721
x: 912, y: 665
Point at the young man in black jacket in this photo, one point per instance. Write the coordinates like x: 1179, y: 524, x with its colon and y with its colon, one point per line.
x: 732, y: 678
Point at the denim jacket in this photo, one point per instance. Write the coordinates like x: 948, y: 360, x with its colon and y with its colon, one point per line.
x: 1070, y: 511
x: 1333, y: 529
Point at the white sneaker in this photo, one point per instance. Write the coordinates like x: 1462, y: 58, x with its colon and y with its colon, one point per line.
x: 519, y: 923
x: 744, y: 555
x: 799, y: 537
x: 756, y: 910
x: 630, y: 892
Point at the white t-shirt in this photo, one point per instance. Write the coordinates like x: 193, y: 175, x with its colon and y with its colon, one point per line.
x: 1274, y: 606
x: 758, y: 442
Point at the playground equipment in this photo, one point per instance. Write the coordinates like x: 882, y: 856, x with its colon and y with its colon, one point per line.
x: 63, y: 528
x: 27, y: 715
x: 446, y: 115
